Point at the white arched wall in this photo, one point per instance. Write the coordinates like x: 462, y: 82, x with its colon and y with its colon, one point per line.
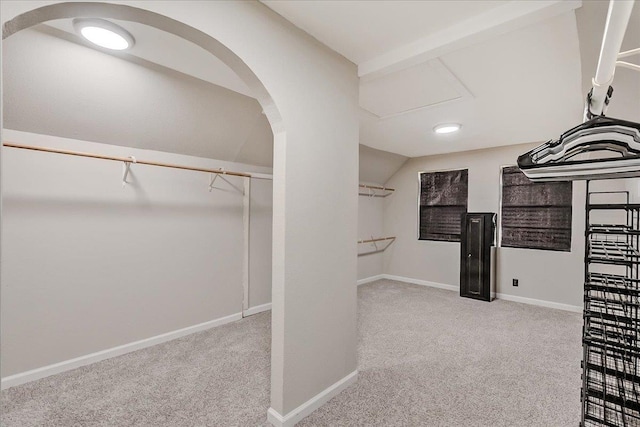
x: 315, y: 176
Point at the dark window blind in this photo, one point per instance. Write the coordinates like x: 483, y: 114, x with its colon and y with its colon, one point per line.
x: 443, y: 200
x: 535, y: 215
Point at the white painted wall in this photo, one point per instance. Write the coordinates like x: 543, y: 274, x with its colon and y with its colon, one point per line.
x: 89, y: 264
x: 543, y: 275
x: 310, y: 95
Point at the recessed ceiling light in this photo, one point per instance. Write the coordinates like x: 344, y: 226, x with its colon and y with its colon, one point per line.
x: 447, y: 128
x: 104, y: 33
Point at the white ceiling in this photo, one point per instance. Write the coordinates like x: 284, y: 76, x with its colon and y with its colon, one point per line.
x: 508, y: 71
x: 522, y: 91
x: 362, y: 30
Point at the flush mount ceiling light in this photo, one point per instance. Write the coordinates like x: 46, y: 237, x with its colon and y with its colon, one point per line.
x: 447, y: 128
x: 104, y: 33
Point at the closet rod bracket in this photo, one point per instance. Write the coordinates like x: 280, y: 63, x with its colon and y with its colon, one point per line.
x: 221, y: 175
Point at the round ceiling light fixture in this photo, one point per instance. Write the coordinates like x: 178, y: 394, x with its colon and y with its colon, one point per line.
x: 447, y: 128
x: 104, y: 33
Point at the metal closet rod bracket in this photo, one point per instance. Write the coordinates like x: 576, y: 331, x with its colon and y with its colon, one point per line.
x: 372, y: 190
x: 215, y: 175
x: 373, y: 241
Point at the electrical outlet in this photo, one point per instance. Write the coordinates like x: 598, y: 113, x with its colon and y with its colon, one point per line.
x: 515, y: 282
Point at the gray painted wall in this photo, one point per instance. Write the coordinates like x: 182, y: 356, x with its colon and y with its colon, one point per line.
x: 89, y: 264
x: 544, y: 275
x: 260, y: 241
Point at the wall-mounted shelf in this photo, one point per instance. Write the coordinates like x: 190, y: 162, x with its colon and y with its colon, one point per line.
x: 374, y: 190
x: 376, y: 245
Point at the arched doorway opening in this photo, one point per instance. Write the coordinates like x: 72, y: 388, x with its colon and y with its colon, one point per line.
x: 120, y: 12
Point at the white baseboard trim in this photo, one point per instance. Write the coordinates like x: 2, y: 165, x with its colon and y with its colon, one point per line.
x: 421, y: 282
x: 257, y: 309
x: 310, y: 405
x: 539, y: 302
x: 67, y: 365
x: 505, y: 297
x: 370, y: 279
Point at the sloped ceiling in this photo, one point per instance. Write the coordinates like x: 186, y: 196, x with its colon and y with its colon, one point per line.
x: 377, y: 166
x: 166, y: 49
x: 56, y: 86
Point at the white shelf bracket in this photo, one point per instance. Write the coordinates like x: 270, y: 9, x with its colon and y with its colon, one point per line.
x: 221, y: 175
x: 212, y: 180
x: 126, y: 168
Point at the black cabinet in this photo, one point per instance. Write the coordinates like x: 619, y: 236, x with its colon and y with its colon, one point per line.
x: 476, y: 255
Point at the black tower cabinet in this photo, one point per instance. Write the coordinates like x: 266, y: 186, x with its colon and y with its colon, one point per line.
x: 477, y: 258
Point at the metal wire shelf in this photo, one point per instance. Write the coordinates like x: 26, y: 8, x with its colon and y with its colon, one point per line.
x: 611, y: 351
x: 612, y: 388
x: 612, y: 251
x: 613, y: 229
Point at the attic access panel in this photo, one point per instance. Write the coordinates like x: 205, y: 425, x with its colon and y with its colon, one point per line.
x: 601, y: 148
x: 421, y: 86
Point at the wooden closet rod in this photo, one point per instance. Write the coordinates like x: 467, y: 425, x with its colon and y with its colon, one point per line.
x: 375, y: 187
x: 124, y: 159
x: 376, y: 240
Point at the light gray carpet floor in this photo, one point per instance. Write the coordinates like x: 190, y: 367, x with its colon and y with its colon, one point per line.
x: 430, y: 358
x: 426, y: 358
